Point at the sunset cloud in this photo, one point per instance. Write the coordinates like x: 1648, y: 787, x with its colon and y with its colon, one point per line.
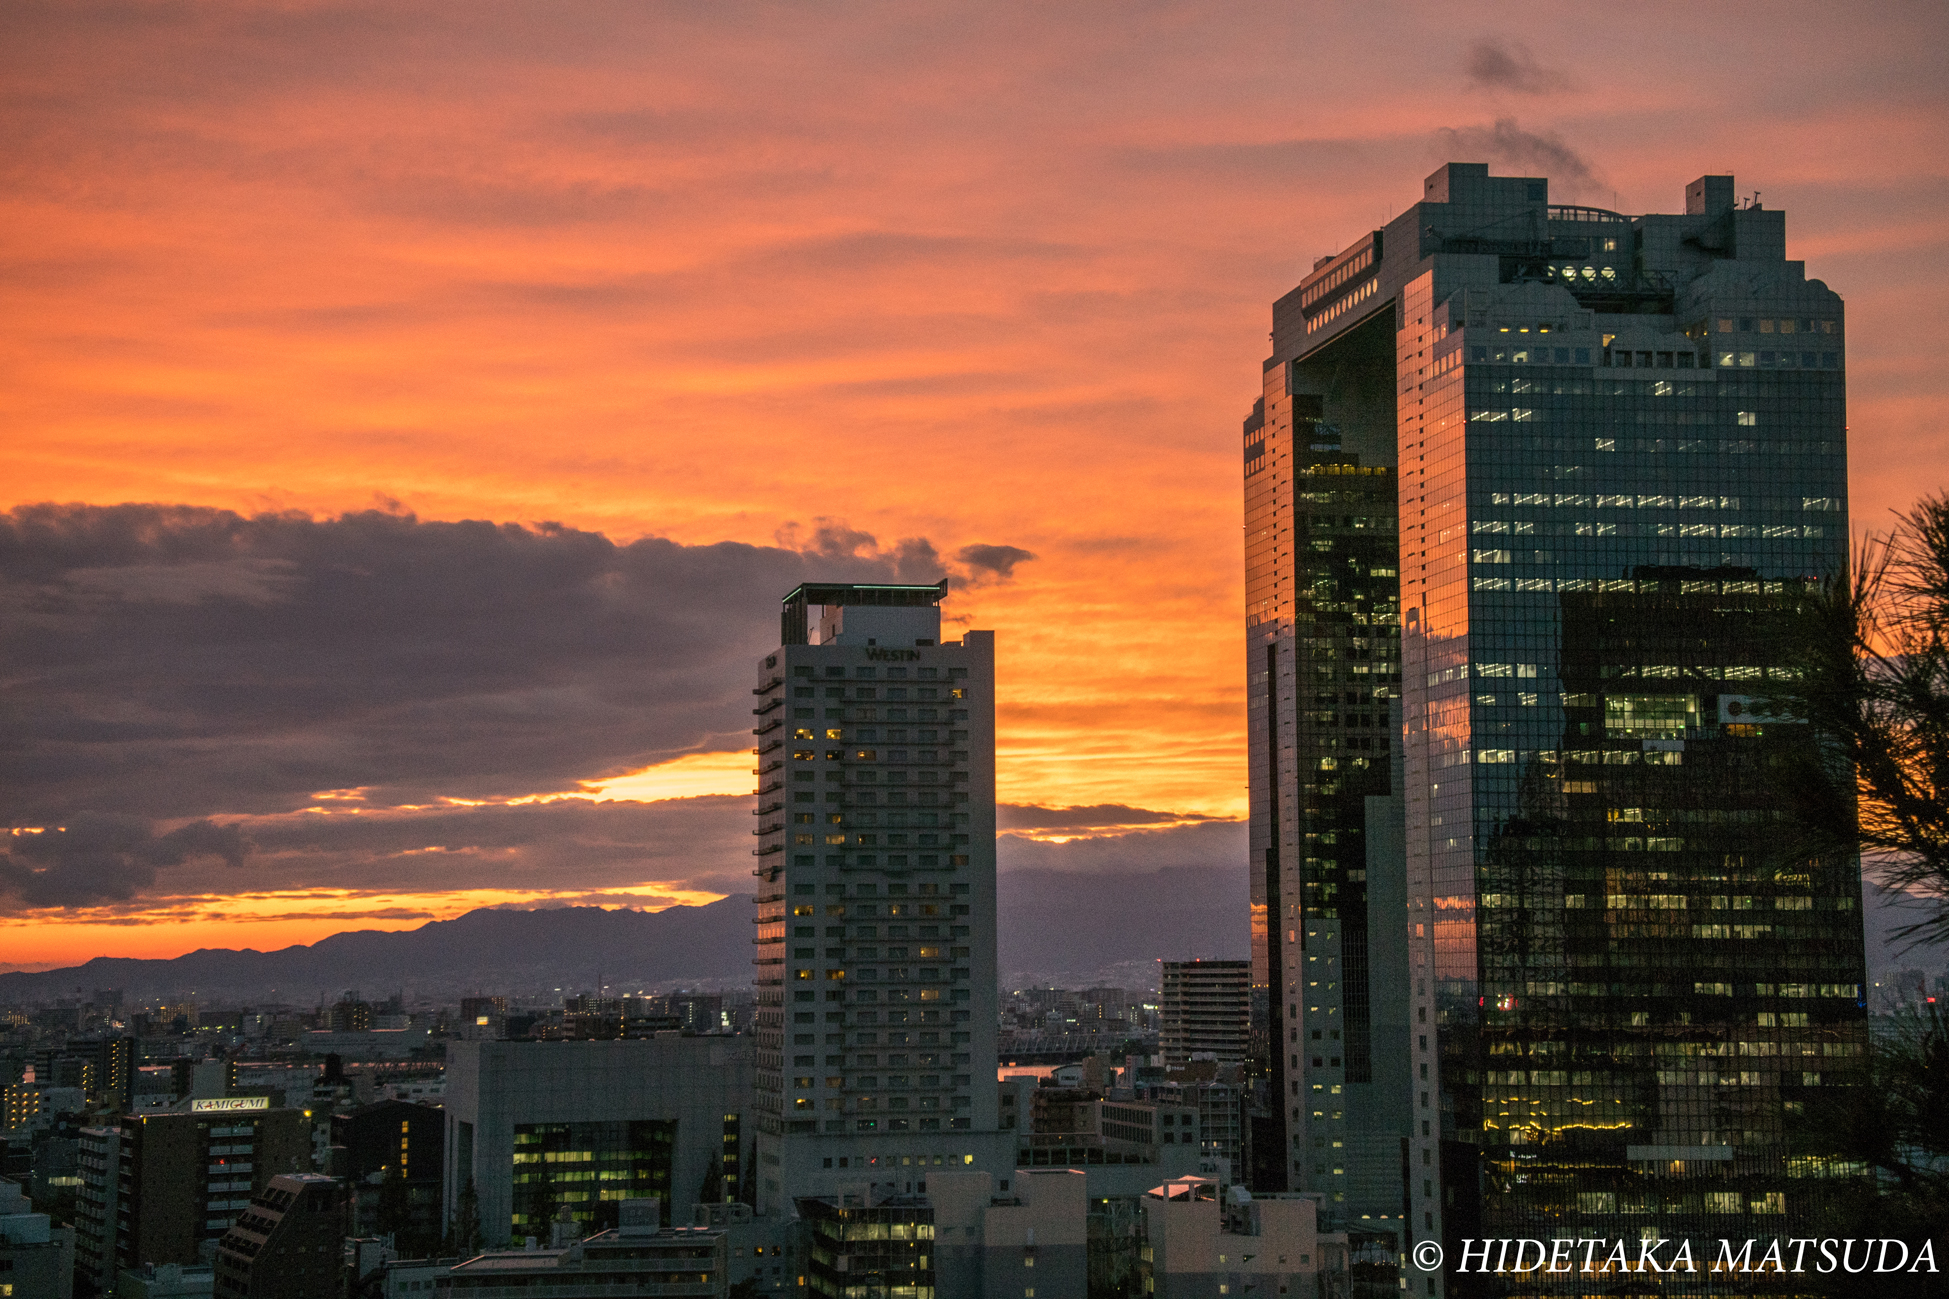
x: 320, y: 313
x: 1497, y: 63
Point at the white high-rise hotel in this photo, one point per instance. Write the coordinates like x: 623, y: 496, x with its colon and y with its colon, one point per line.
x: 875, y: 896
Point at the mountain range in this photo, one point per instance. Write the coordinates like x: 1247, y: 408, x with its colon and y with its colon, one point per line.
x: 1056, y: 926
x: 1066, y: 928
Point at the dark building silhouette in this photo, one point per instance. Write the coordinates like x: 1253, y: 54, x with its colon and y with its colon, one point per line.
x: 393, y: 1153
x: 287, y: 1244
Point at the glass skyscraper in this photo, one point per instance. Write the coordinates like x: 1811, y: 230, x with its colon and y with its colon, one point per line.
x: 1531, y: 954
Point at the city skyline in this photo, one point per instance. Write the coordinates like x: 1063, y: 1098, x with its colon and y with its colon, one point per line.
x: 259, y: 280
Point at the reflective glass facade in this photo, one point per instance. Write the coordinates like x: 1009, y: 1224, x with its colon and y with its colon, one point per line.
x: 586, y: 1168
x: 1619, y: 444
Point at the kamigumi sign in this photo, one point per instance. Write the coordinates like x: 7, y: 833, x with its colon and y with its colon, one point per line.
x: 229, y: 1104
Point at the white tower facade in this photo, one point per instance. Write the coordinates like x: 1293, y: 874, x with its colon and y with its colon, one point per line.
x: 876, y: 980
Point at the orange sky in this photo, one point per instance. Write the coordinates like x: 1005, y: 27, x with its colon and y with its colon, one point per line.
x: 979, y: 273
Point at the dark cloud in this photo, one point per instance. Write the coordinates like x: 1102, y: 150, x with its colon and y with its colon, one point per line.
x: 1210, y: 845
x: 1527, y: 152
x: 105, y: 858
x: 911, y: 559
x: 576, y: 851
x: 1011, y: 816
x: 998, y: 560
x: 1497, y: 64
x: 167, y: 663
x: 570, y: 845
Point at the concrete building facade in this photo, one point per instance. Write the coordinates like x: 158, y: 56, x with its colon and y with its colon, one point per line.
x: 541, y: 1126
x: 875, y: 860
x: 1201, y: 1241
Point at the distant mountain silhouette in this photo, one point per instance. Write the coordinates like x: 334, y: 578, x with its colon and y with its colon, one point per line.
x: 1052, y: 923
x: 492, y: 951
x: 1069, y: 926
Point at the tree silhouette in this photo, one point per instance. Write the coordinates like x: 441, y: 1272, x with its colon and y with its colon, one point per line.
x: 1871, y: 675
x: 463, y: 1233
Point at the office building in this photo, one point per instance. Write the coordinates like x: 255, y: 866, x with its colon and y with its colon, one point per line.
x: 36, y: 1257
x: 157, y: 1187
x: 20, y: 1105
x: 1206, y: 1011
x: 639, y: 1256
x: 287, y: 1244
x: 875, y: 860
x: 881, y: 1242
x: 537, y: 1127
x: 1219, y: 1107
x: 394, y: 1153
x: 1547, y: 480
x: 759, y: 1257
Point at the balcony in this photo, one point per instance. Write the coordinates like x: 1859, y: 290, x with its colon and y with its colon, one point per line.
x: 769, y: 686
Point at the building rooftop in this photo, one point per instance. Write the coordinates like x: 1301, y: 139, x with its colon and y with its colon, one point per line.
x: 894, y: 594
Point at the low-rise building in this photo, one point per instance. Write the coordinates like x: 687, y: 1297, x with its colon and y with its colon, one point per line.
x: 1200, y: 1240
x: 36, y: 1257
x: 1032, y: 1238
x: 165, y: 1281
x: 416, y: 1278
x: 538, y: 1126
x: 640, y: 1257
x: 1219, y: 1104
x: 757, y: 1247
x: 1126, y: 1146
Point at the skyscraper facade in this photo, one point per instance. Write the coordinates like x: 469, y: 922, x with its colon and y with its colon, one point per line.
x: 876, y: 984
x: 1616, y: 451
